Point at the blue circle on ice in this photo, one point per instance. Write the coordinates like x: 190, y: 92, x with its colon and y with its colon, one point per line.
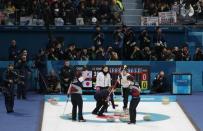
x: 154, y: 117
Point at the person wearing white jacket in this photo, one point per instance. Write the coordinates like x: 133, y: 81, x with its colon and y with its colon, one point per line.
x: 103, y: 81
x: 125, y: 86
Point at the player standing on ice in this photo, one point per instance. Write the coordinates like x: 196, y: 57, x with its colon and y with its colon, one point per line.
x: 125, y: 87
x: 135, y: 93
x: 75, y: 90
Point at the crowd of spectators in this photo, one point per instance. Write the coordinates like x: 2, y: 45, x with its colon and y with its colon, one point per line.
x: 125, y: 46
x: 181, y: 7
x: 62, y: 12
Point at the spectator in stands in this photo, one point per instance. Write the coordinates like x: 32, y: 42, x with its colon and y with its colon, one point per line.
x: 68, y: 12
x: 13, y: 51
x: 136, y: 54
x: 98, y: 37
x: 153, y: 55
x: 24, y: 7
x: 2, y: 18
x: 146, y: 53
x: 129, y: 42
x: 82, y: 11
x: 57, y: 13
x: 51, y: 54
x: 35, y: 9
x: 66, y: 76
x: 59, y: 53
x: 100, y: 54
x: 153, y: 7
x: 163, y: 7
x: 47, y: 14
x: 70, y: 52
x: 144, y: 39
x: 116, y: 11
x: 176, y: 7
x: 150, y: 7
x: 177, y: 53
x: 118, y: 37
x: 104, y: 12
x: 84, y: 54
x: 91, y: 10
x: 10, y: 13
x: 160, y: 43
x: 198, y: 56
x: 92, y: 53
x: 108, y: 53
x: 24, y: 71
x: 55, y: 9
x: 10, y: 8
x: 114, y: 56
x: 1, y: 4
x: 167, y: 55
x: 78, y: 54
x: 23, y: 52
x: 53, y: 82
x: 158, y: 36
x: 186, y: 54
x: 41, y: 66
x: 163, y: 54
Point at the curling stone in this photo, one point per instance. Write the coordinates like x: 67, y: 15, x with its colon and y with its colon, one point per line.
x: 110, y: 119
x: 165, y: 101
x: 147, y: 118
x: 126, y: 111
x: 69, y: 116
x: 117, y: 112
x: 123, y: 113
x: 53, y: 101
x: 124, y: 119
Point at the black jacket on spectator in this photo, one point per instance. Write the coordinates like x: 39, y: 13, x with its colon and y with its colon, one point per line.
x: 23, y: 68
x: 99, y: 55
x: 104, y: 12
x: 41, y: 65
x: 198, y: 56
x: 59, y: 54
x: 178, y: 55
x: 13, y: 52
x: 158, y: 37
x: 98, y: 39
x: 144, y: 41
x: 66, y: 76
x: 159, y: 84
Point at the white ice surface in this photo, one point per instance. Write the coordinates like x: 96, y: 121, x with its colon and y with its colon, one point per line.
x: 173, y: 118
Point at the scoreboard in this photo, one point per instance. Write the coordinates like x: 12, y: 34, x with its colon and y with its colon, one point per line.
x: 141, y: 75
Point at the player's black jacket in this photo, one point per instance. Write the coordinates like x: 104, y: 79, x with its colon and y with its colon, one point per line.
x: 101, y: 95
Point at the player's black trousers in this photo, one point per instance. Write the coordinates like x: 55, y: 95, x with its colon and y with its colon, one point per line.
x: 132, y: 110
x: 77, y: 103
x: 126, y: 92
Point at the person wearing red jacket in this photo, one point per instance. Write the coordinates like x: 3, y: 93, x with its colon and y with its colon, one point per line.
x: 75, y: 91
x: 135, y: 93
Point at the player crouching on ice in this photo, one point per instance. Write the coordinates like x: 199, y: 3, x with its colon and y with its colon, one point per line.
x: 102, y: 97
x: 75, y: 90
x: 135, y: 93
